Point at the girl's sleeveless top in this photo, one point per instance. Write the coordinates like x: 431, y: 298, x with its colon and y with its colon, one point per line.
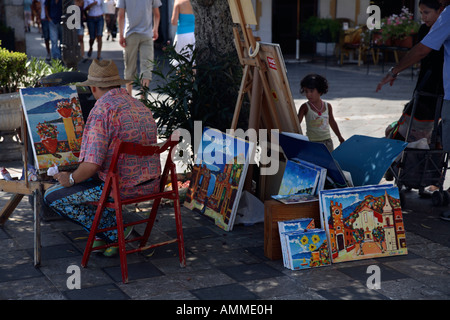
x: 317, y: 126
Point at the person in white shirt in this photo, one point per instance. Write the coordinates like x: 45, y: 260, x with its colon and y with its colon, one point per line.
x: 137, y: 36
x: 95, y: 23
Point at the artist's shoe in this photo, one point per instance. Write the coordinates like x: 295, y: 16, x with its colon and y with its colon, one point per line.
x: 97, y: 243
x: 112, y: 251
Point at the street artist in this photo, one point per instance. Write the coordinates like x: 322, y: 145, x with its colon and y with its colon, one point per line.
x: 116, y: 115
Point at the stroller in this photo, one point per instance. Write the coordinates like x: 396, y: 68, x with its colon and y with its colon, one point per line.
x: 419, y: 168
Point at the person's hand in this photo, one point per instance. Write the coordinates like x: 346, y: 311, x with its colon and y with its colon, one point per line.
x: 387, y: 79
x: 341, y: 139
x: 155, y: 35
x: 122, y: 41
x: 63, y: 178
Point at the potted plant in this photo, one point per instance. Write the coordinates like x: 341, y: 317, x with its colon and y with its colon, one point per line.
x: 399, y: 29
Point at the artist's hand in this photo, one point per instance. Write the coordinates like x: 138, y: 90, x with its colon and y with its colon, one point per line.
x: 387, y: 79
x: 63, y: 178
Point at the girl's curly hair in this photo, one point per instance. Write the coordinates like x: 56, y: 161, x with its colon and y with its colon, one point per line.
x: 314, y: 81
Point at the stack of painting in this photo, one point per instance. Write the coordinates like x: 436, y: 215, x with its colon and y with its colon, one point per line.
x: 302, y: 245
x: 301, y: 182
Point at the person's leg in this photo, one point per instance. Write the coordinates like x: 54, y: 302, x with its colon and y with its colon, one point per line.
x: 146, y: 57
x: 91, y: 29
x: 53, y: 31
x: 71, y: 203
x: 46, y: 36
x: 130, y: 53
x: 100, y: 25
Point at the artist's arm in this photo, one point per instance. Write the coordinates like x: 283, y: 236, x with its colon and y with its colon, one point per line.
x: 417, y: 53
x: 333, y: 124
x: 121, y: 19
x: 156, y: 20
x: 84, y: 171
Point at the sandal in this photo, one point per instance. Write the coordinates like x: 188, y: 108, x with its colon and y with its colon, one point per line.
x: 114, y: 250
x: 97, y: 243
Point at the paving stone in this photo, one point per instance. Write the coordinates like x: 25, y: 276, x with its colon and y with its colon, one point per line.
x: 232, y: 291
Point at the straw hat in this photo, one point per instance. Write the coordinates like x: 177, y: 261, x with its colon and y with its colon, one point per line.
x: 103, y: 74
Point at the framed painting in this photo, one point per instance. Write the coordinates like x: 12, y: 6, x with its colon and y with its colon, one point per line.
x: 55, y: 125
x: 218, y: 176
x: 363, y: 222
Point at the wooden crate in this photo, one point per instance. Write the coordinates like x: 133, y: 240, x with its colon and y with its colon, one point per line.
x: 275, y: 211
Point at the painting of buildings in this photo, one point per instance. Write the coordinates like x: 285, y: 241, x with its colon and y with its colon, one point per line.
x: 55, y: 125
x: 363, y: 223
x: 218, y: 177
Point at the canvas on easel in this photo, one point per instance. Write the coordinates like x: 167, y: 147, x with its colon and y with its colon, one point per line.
x: 218, y: 177
x: 55, y: 125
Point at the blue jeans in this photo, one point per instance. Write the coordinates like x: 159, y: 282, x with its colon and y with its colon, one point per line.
x: 55, y: 39
x: 95, y: 26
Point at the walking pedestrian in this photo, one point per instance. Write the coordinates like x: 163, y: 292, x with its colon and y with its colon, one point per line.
x: 138, y: 28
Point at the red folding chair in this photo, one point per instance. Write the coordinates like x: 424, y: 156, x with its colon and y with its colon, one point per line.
x: 111, y: 188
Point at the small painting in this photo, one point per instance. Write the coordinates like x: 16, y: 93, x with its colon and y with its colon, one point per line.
x: 55, y: 125
x: 363, y: 222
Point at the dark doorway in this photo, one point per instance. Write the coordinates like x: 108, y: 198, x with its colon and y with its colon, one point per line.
x: 284, y: 24
x: 389, y: 7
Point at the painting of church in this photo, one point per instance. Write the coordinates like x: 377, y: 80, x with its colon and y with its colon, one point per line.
x: 364, y: 223
x: 217, y: 180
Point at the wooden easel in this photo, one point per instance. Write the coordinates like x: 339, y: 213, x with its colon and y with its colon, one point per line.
x: 256, y: 80
x: 21, y: 188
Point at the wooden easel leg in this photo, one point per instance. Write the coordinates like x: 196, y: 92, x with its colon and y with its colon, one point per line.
x: 240, y: 98
x: 38, y: 197
x: 9, y: 208
x: 254, y: 117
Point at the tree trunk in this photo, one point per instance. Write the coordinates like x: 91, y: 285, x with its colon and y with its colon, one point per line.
x: 213, y: 30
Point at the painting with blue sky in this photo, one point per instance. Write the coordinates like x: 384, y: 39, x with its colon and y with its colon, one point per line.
x: 298, y: 178
x: 55, y: 125
x: 218, y: 176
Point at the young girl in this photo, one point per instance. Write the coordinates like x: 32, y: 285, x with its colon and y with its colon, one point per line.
x: 317, y: 113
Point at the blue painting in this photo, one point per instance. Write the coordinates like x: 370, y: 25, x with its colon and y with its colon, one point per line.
x: 298, y: 178
x: 218, y: 176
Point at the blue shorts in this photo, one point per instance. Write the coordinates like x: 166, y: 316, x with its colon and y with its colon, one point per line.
x: 95, y: 26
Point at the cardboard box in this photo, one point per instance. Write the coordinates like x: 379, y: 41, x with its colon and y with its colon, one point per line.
x: 275, y: 211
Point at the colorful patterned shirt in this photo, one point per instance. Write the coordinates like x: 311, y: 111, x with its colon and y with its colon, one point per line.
x: 118, y: 116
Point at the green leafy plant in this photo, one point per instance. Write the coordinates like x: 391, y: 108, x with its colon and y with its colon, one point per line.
x: 399, y: 27
x: 37, y: 68
x: 192, y: 92
x: 12, y: 70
